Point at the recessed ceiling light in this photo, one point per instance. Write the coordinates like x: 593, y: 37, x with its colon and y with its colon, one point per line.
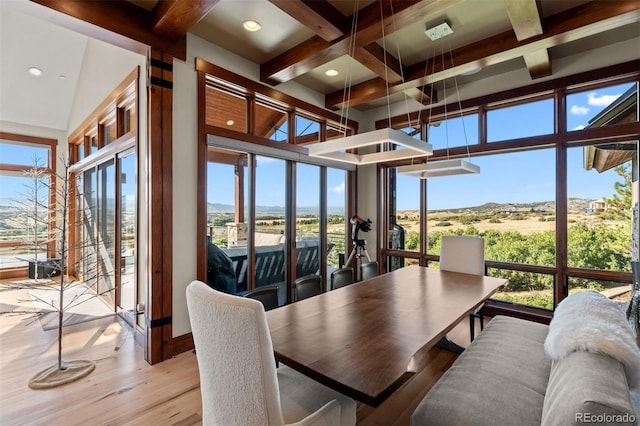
x: 251, y: 25
x: 62, y: 77
x: 35, y: 71
x: 230, y: 122
x: 331, y: 73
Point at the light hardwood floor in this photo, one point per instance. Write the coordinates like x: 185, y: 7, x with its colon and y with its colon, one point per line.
x: 124, y: 389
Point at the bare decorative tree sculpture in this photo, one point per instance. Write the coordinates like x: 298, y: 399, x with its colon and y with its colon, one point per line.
x: 63, y: 371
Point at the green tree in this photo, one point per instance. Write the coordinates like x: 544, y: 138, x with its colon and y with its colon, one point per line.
x: 621, y: 200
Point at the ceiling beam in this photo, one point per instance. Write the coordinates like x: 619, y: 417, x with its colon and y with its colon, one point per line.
x: 319, y: 16
x: 174, y: 18
x: 538, y: 63
x: 526, y: 20
x: 380, y: 62
x: 119, y: 17
x: 315, y: 51
x: 570, y: 25
x: 426, y: 95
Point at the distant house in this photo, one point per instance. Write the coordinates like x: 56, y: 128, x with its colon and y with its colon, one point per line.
x: 598, y: 206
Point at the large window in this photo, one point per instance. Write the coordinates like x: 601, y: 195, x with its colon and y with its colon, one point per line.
x: 25, y: 193
x: 511, y: 204
x: 269, y: 202
x: 454, y: 131
x: 556, y: 209
x: 602, y: 106
x: 520, y: 121
x: 336, y: 217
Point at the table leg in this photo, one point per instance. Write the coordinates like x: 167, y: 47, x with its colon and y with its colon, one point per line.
x: 448, y: 344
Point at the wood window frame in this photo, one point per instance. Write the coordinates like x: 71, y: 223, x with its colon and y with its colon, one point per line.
x: 51, y: 167
x: 212, y: 75
x: 561, y: 140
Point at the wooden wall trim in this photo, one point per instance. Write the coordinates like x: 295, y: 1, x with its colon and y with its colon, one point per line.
x: 201, y: 218
x: 183, y: 343
x: 159, y: 159
x: 129, y: 26
x: 255, y: 87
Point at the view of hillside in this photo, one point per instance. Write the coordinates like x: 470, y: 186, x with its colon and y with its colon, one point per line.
x: 520, y: 233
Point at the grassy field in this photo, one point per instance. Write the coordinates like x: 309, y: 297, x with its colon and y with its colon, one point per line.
x: 513, y: 233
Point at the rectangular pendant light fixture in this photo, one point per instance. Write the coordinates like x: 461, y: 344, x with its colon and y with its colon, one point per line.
x: 440, y: 168
x: 334, y: 148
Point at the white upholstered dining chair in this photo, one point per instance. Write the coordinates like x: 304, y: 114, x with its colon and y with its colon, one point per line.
x: 461, y: 253
x: 239, y: 381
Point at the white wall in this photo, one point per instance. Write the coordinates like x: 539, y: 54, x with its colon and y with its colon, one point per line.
x: 103, y: 68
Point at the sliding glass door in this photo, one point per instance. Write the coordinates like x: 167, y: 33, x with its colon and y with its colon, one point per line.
x: 127, y: 232
x: 106, y: 243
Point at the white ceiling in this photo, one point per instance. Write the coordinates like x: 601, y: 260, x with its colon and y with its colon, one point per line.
x: 25, y: 42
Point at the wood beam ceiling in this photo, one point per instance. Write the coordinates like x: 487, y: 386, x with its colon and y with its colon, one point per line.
x: 367, y: 28
x: 164, y: 28
x: 570, y: 25
x: 174, y: 18
x: 526, y: 20
x: 319, y: 16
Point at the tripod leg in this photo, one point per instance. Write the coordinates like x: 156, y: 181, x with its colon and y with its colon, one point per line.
x: 351, y: 256
x: 366, y: 253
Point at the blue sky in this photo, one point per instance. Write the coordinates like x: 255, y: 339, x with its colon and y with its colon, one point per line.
x: 507, y: 178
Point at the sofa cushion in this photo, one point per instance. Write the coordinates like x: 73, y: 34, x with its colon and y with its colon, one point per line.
x: 586, y: 387
x: 499, y: 379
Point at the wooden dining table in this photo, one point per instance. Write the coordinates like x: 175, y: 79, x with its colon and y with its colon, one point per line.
x: 366, y: 339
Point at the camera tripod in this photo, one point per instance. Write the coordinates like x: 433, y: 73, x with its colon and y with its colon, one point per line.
x: 359, y: 246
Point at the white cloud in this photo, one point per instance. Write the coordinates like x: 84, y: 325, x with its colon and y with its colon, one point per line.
x: 339, y: 189
x: 604, y: 100
x: 580, y: 127
x: 578, y: 110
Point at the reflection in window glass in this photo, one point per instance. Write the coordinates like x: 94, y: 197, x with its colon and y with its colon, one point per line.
x: 336, y: 217
x: 599, y: 188
x: 308, y: 220
x: 80, y: 151
x: 511, y: 204
x: 21, y: 223
x: 225, y: 236
x: 126, y: 121
x: 271, y: 123
x: 226, y: 110
x: 454, y: 131
x: 404, y: 228
x: 109, y: 133
x: 93, y: 143
x: 23, y: 154
x: 307, y: 131
x: 270, y: 205
x: 602, y: 107
x: 520, y: 121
